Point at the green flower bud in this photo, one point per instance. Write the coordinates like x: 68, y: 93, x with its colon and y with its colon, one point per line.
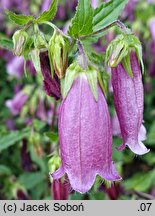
x: 58, y: 54
x: 19, y: 40
x: 54, y: 163
x: 40, y: 41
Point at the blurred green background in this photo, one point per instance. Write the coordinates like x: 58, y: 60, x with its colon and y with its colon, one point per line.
x: 28, y: 118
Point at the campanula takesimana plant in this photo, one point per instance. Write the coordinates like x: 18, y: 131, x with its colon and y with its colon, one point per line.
x: 72, y: 73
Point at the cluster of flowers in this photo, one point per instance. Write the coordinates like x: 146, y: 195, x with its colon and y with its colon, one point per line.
x: 85, y: 130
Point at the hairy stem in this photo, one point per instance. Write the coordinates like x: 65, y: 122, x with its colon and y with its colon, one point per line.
x: 115, y: 23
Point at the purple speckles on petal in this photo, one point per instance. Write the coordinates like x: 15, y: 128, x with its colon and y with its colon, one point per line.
x: 85, y: 137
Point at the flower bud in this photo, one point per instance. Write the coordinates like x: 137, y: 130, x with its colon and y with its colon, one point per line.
x: 60, y: 190
x: 51, y: 85
x: 129, y: 103
x: 19, y: 40
x: 58, y: 54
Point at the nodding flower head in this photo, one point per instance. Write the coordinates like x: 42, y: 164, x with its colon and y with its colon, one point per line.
x: 85, y: 132
x: 129, y: 100
x: 124, y: 55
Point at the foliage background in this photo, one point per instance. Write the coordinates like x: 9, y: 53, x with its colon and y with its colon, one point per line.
x: 26, y: 146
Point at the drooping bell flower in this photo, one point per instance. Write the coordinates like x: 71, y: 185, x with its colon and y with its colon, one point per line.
x: 84, y: 131
x: 51, y: 85
x: 128, y: 98
x: 15, y: 67
x: 128, y: 91
x: 60, y: 190
x: 16, y: 104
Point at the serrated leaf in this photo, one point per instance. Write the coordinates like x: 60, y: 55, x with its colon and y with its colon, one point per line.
x: 107, y: 13
x: 19, y: 19
x: 82, y: 22
x: 49, y: 14
x: 6, y: 44
x: 12, y: 138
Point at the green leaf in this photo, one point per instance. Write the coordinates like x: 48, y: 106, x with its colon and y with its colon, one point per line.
x: 140, y: 181
x: 82, y: 22
x: 107, y: 13
x: 12, y: 138
x: 6, y: 43
x: 4, y: 170
x: 52, y: 136
x: 149, y: 158
x: 48, y: 15
x: 19, y: 19
x: 30, y: 180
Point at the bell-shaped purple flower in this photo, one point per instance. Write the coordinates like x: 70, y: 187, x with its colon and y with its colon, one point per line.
x: 15, y: 67
x: 129, y: 100
x: 16, y: 104
x: 85, y: 137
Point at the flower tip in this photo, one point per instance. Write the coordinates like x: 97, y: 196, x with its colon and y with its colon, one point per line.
x: 138, y: 148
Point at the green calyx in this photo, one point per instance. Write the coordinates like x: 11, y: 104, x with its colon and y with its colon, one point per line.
x: 119, y: 51
x: 58, y: 50
x: 54, y: 163
x: 40, y: 41
x: 20, y: 38
x: 92, y: 74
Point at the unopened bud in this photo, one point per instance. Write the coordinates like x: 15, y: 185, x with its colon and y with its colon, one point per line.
x: 58, y: 54
x: 19, y: 40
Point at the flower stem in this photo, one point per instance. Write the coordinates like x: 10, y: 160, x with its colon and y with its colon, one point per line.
x: 59, y: 30
x: 115, y: 23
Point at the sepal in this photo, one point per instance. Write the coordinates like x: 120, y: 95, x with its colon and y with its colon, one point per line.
x: 119, y: 51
